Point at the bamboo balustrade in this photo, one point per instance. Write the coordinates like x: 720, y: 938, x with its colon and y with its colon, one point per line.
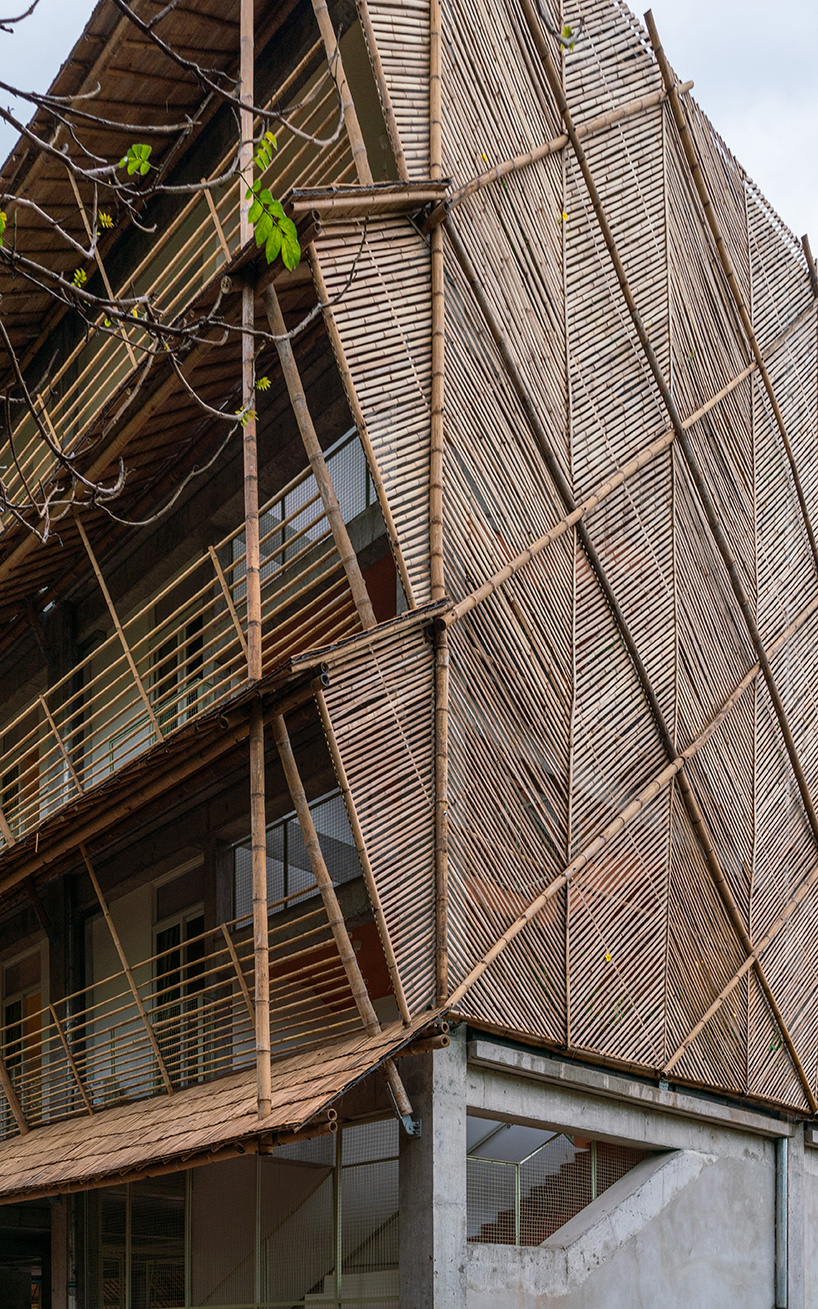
x: 97, y: 1047
x: 178, y: 656
x: 184, y: 257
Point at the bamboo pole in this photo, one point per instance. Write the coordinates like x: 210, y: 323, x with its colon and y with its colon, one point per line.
x: 228, y: 599
x: 100, y: 265
x: 71, y: 1061
x: 336, y: 68
x: 552, y: 147
x: 63, y: 750
x: 726, y: 262
x: 363, y: 854
x: 813, y: 274
x: 437, y: 440
x: 231, y: 950
x: 13, y: 1099
x: 383, y: 90
x: 8, y: 836
x: 119, y: 629
x: 214, y: 214
x: 261, y: 948
x: 335, y: 918
x: 126, y: 968
x: 315, y: 454
x: 435, y: 90
x: 360, y: 422
x: 442, y: 810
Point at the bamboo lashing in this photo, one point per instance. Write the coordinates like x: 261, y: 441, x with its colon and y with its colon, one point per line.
x: 335, y: 917
x: 363, y: 856
x: 670, y: 405
x: 336, y: 67
x: 360, y: 423
x: 552, y: 147
x: 315, y: 454
x: 126, y: 649
x: 126, y: 968
x: 729, y: 272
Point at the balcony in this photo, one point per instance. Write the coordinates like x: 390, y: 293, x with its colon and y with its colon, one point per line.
x: 183, y: 654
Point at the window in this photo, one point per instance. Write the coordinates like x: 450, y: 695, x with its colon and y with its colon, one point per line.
x: 178, y: 1017
x: 135, y: 1245
x: 523, y: 1183
x: 289, y: 872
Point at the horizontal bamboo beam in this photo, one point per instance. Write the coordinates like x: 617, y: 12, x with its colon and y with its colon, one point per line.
x: 359, y: 203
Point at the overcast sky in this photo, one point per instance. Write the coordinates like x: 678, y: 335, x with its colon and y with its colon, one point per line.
x: 755, y: 78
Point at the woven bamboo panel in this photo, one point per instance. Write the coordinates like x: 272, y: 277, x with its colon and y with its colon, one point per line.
x: 402, y: 35
x: 384, y: 320
x: 380, y: 704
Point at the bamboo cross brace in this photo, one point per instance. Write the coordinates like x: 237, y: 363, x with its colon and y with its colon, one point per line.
x: 214, y: 214
x: 63, y: 749
x: 98, y: 258
x: 119, y: 629
x: 726, y: 262
x: 336, y: 68
x: 551, y: 147
x: 628, y: 469
x: 13, y: 1099
x: 231, y: 950
x: 360, y: 422
x: 335, y: 917
x: 713, y: 520
x: 228, y: 599
x: 363, y: 854
x: 298, y: 400
x: 71, y: 1061
x: 126, y: 968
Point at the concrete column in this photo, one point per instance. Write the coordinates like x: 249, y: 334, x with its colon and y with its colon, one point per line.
x: 59, y: 1252
x: 433, y: 1181
x: 795, y: 1221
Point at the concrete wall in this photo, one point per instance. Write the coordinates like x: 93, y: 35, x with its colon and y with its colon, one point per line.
x: 691, y: 1226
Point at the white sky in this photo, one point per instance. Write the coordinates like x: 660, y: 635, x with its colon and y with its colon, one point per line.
x: 755, y: 78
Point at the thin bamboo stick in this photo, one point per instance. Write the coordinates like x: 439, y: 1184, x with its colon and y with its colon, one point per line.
x: 64, y: 752
x: 383, y: 90
x: 13, y: 1099
x: 336, y: 67
x: 71, y: 1061
x: 435, y: 90
x: 261, y: 949
x: 363, y: 854
x: 8, y: 836
x: 126, y: 968
x: 214, y: 214
x: 360, y: 422
x: 315, y: 454
x: 231, y: 949
x: 228, y: 599
x: 97, y: 256
x: 119, y: 629
x: 729, y: 272
x: 442, y: 810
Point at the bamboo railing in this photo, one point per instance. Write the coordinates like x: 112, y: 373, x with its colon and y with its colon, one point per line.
x: 98, y: 1046
x: 184, y: 258
x: 183, y: 652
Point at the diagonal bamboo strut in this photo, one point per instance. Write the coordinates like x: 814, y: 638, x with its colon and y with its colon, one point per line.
x: 214, y: 214
x: 71, y: 1061
x: 363, y: 855
x: 231, y: 950
x: 120, y: 633
x: 63, y: 749
x: 552, y: 147
x: 627, y: 470
x: 126, y: 968
x: 8, y: 836
x: 811, y: 269
x: 100, y: 265
x: 13, y: 1099
x: 694, y: 811
x: 315, y: 454
x: 360, y: 422
x: 336, y: 68
x: 228, y: 599
x: 383, y: 90
x: 726, y: 262
x: 338, y: 927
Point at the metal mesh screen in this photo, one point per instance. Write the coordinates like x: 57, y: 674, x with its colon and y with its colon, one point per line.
x: 490, y: 1201
x: 222, y: 1233
x: 296, y: 1231
x: 613, y: 1161
x: 135, y: 1245
x: 554, y: 1185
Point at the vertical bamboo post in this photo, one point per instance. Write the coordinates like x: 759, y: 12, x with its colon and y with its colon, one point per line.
x: 436, y: 561
x: 360, y: 422
x: 126, y: 968
x: 435, y: 89
x: 258, y: 823
x: 119, y: 629
x: 363, y: 854
x: 13, y: 1099
x: 442, y: 810
x: 332, y: 509
x: 336, y: 68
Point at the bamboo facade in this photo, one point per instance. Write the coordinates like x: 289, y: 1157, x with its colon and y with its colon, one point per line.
x: 576, y: 746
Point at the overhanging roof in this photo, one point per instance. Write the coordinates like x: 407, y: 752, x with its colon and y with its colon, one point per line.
x: 200, y: 1125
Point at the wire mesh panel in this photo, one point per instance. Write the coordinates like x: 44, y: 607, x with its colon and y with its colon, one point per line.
x: 135, y: 1245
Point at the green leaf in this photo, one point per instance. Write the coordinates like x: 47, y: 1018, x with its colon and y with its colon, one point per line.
x: 263, y: 383
x: 263, y: 229
x: 290, y: 248
x: 273, y: 245
x: 3, y: 221
x: 255, y: 211
x: 136, y: 159
x: 80, y: 277
x: 268, y: 136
